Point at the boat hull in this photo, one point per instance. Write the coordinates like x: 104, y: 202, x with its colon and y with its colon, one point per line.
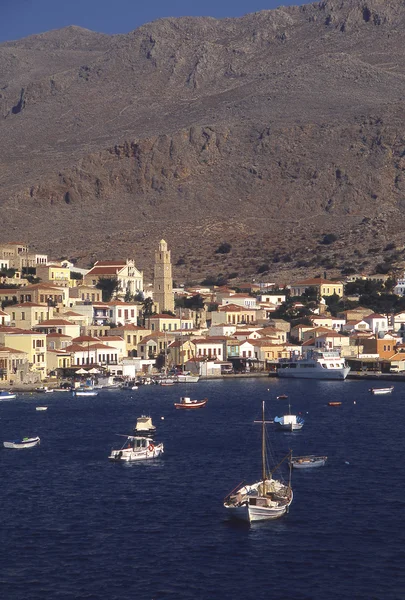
x: 309, y: 462
x: 7, y: 396
x: 289, y: 426
x: 381, y: 391
x: 250, y: 514
x: 128, y: 455
x: 188, y: 378
x: 192, y: 405
x: 21, y: 444
x: 338, y: 374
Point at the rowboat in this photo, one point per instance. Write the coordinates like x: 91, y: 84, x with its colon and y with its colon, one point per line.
x: 24, y: 443
x: 334, y: 403
x: 308, y: 462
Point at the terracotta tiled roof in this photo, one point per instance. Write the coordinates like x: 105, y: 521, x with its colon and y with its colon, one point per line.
x: 75, y: 348
x: 109, y: 263
x: 103, y: 271
x: 317, y: 281
x: 8, y: 349
x: 58, y: 335
x: 53, y: 322
x: 29, y: 305
x: 85, y: 338
x: 161, y: 316
x: 132, y: 327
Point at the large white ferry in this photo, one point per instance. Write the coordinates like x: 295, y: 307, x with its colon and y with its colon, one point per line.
x: 317, y: 365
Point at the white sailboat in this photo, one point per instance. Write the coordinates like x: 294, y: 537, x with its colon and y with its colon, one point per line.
x: 266, y: 499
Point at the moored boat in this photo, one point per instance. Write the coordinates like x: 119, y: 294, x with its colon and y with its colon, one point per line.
x: 23, y: 443
x: 85, y: 391
x: 5, y: 395
x: 266, y: 499
x: 381, y: 391
x: 137, y: 448
x: 289, y: 422
x: 315, y: 365
x: 308, y: 462
x: 144, y: 426
x: 187, y: 378
x: 41, y: 408
x: 187, y: 403
x: 334, y: 403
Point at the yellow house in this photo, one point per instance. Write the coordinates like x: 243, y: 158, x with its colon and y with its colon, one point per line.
x: 162, y: 322
x: 232, y: 314
x: 324, y: 287
x: 132, y: 334
x: 85, y: 293
x: 57, y: 359
x: 268, y: 350
x: 28, y: 314
x: 56, y: 275
x: 13, y: 365
x: 180, y: 351
x: 31, y: 342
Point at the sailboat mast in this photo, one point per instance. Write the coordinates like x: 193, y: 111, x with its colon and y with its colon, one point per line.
x: 263, y: 450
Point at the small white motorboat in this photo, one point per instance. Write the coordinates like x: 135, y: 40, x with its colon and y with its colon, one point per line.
x: 378, y: 391
x: 308, y: 462
x: 41, y: 408
x: 289, y: 422
x: 5, y: 395
x: 136, y: 448
x: 85, y: 393
x: 24, y: 443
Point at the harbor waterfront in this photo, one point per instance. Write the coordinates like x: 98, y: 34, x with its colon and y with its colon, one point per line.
x: 76, y: 525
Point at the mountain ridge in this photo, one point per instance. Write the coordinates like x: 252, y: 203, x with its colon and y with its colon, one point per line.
x: 265, y: 131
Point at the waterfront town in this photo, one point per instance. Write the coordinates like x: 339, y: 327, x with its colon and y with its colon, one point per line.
x: 58, y: 322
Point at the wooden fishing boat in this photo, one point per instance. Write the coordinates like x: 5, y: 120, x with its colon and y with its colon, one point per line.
x: 266, y: 499
x: 282, y: 397
x: 187, y: 403
x: 334, y: 403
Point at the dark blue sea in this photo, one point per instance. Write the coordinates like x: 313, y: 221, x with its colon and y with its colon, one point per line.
x: 76, y: 527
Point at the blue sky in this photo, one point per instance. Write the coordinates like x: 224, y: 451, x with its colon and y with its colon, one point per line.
x: 20, y: 18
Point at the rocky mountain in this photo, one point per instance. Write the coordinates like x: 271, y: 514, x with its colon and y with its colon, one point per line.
x: 274, y: 132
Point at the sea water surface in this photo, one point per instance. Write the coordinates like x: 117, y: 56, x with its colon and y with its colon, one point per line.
x: 76, y: 526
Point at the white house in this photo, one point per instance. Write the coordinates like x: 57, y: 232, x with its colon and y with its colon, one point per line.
x: 377, y: 322
x: 123, y: 313
x: 243, y: 300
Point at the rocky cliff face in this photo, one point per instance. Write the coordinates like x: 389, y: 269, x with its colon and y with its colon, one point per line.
x: 266, y: 132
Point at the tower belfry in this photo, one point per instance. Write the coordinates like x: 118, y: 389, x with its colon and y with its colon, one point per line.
x: 162, y: 280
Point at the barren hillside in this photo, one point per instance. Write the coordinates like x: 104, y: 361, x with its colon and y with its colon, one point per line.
x: 266, y: 132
